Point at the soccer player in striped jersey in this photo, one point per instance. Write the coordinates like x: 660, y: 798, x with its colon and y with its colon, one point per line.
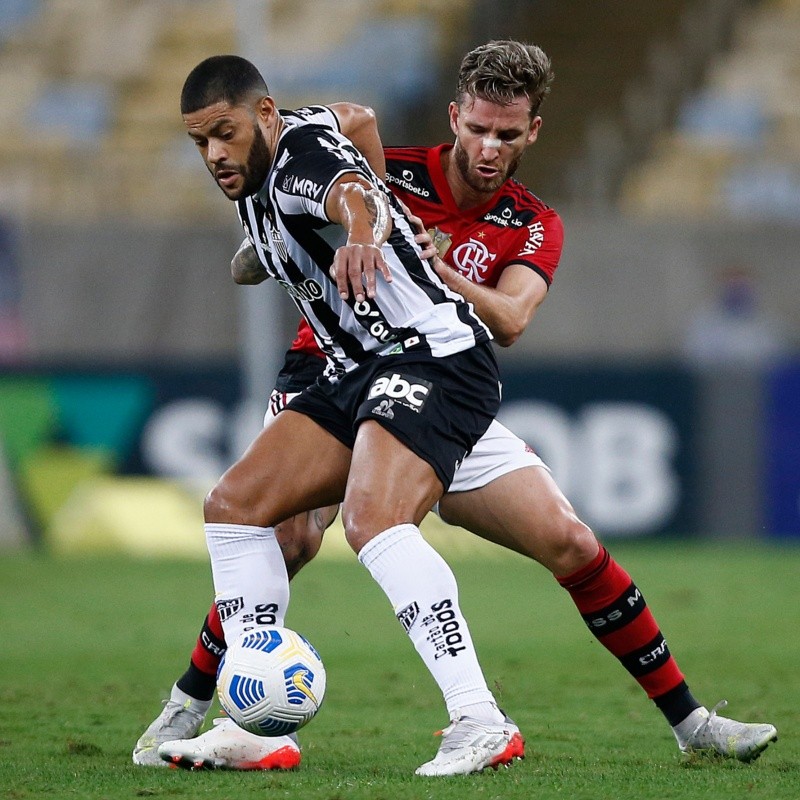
x: 501, y: 246
x: 412, y: 385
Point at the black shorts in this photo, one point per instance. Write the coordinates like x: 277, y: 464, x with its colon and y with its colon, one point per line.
x: 437, y: 407
x: 299, y: 370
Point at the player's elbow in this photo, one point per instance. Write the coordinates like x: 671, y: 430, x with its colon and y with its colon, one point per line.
x: 507, y: 335
x: 365, y: 117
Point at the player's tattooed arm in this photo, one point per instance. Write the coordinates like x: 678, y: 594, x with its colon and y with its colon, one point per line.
x: 245, y: 266
x: 378, y: 210
x: 363, y: 211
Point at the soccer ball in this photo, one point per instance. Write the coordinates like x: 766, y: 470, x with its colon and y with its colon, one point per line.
x: 271, y: 681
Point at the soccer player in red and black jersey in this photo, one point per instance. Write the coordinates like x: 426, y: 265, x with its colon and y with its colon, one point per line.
x: 499, y: 246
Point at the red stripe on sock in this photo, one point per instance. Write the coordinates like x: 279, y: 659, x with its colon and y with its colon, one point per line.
x: 214, y: 622
x: 634, y: 635
x: 205, y: 660
x: 598, y: 584
x: 662, y: 680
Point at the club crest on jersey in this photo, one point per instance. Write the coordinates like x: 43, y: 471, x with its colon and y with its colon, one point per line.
x: 279, y: 245
x: 472, y: 259
x: 406, y: 390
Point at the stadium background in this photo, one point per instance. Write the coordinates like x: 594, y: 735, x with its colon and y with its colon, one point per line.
x: 132, y: 370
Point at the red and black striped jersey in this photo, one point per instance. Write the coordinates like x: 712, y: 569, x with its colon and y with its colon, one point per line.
x: 513, y: 227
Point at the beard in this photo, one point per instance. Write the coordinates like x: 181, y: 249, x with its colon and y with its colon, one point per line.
x: 254, y: 170
x: 473, y: 179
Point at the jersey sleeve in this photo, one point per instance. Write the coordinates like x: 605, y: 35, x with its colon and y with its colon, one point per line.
x: 319, y: 158
x: 540, y: 244
x: 312, y: 115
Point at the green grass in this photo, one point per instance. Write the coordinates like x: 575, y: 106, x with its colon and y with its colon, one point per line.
x: 91, y: 646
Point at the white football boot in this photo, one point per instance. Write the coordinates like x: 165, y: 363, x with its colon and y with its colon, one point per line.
x: 470, y: 745
x: 705, y: 731
x: 227, y: 746
x: 176, y: 721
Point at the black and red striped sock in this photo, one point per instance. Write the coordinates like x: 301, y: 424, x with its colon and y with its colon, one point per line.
x: 615, y: 611
x: 200, y: 679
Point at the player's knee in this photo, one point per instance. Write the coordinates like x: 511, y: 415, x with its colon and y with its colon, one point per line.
x: 361, y: 523
x: 223, y: 504
x: 572, y: 544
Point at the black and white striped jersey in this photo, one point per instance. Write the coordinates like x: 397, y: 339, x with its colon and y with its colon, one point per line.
x: 286, y: 223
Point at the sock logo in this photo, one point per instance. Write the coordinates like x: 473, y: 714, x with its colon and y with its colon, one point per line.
x: 211, y: 646
x: 228, y: 608
x: 408, y: 616
x: 265, y: 614
x: 444, y: 630
x: 655, y: 655
x: 620, y: 613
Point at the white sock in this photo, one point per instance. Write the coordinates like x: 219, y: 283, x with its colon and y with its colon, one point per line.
x: 423, y: 592
x: 250, y: 579
x: 187, y: 701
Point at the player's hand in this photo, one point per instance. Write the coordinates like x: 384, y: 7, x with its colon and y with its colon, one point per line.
x: 355, y: 265
x: 450, y: 277
x: 421, y: 235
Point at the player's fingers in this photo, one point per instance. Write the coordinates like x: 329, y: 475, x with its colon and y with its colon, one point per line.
x: 356, y: 269
x: 428, y: 249
x: 339, y: 274
x: 385, y: 271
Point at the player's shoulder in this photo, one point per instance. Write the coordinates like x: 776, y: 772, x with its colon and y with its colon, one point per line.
x: 408, y: 173
x: 310, y: 115
x: 410, y: 155
x: 309, y: 132
x: 516, y: 207
x: 524, y: 199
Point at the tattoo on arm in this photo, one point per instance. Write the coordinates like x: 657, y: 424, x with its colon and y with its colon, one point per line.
x: 378, y: 214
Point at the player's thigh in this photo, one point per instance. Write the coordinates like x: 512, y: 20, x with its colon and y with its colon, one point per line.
x: 525, y: 511
x: 293, y: 465
x: 389, y: 484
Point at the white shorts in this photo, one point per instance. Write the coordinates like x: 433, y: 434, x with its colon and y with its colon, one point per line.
x: 498, y: 451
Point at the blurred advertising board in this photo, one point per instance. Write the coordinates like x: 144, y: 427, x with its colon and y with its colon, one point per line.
x: 619, y: 441
x: 782, y: 429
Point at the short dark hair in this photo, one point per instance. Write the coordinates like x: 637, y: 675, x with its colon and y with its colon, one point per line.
x: 228, y: 79
x: 503, y: 70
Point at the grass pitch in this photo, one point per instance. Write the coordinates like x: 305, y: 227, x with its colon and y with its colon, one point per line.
x: 90, y: 647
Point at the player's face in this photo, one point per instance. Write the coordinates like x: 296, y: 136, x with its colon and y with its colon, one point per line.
x: 490, y: 140
x: 233, y: 147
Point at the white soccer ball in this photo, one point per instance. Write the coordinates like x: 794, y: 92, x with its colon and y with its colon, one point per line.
x: 271, y: 681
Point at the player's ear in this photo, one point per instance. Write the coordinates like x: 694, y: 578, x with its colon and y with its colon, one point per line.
x: 453, y: 114
x: 265, y: 109
x: 533, y: 132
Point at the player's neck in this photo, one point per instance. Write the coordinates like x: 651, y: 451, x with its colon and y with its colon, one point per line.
x: 276, y: 136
